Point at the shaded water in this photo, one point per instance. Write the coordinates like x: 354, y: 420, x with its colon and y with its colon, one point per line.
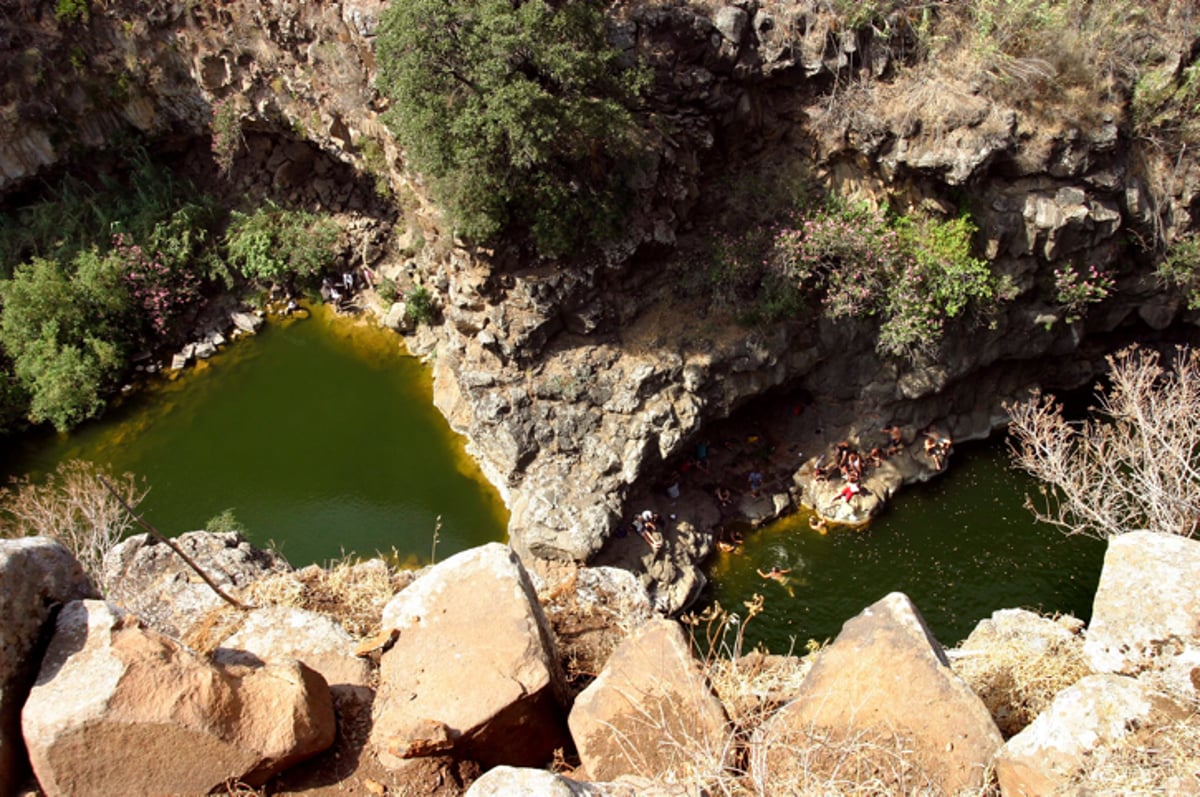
x: 961, y: 547
x: 321, y: 435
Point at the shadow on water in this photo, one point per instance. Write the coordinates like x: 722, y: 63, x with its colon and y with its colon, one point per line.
x: 320, y: 434
x: 961, y: 547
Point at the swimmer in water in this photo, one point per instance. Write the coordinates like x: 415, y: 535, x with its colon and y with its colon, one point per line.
x: 776, y: 573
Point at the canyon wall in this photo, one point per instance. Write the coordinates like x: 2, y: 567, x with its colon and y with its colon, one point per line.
x: 577, y: 382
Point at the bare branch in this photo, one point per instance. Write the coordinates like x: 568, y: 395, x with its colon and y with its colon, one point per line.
x: 156, y: 534
x: 1135, y: 464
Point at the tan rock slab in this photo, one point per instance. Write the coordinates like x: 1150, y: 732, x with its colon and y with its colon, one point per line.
x: 283, y: 633
x: 882, y: 696
x: 650, y: 710
x: 1146, y: 614
x: 1096, y: 711
x: 36, y: 574
x: 475, y: 654
x: 120, y: 709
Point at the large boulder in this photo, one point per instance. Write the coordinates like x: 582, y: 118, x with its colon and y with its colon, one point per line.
x: 473, y: 666
x: 1146, y: 614
x: 650, y: 710
x: 149, y: 579
x: 883, y: 685
x: 1098, y: 710
x: 38, y: 575
x: 121, y: 709
x: 278, y: 634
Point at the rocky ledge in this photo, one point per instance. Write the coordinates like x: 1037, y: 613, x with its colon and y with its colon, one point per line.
x: 461, y: 684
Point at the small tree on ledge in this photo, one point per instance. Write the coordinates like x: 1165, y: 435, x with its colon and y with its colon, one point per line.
x: 1135, y: 464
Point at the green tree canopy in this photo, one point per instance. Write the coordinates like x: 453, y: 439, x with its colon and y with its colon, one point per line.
x: 518, y: 111
x: 65, y: 329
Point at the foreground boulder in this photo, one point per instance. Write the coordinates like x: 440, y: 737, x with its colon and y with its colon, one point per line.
x: 881, y: 699
x: 277, y: 634
x: 1146, y: 614
x: 37, y: 575
x: 650, y: 711
x: 473, y: 667
x: 1099, y: 710
x: 120, y: 709
x: 149, y: 579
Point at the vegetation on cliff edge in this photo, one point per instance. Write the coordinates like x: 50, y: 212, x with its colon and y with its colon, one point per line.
x: 519, y: 114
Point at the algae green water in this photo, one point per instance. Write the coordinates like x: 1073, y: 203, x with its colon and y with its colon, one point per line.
x: 961, y: 547
x: 321, y: 434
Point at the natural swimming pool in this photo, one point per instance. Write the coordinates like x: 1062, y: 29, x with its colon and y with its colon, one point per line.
x: 320, y: 434
x: 322, y: 437
x: 961, y: 546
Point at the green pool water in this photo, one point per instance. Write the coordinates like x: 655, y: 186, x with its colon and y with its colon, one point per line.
x: 960, y: 547
x: 320, y: 434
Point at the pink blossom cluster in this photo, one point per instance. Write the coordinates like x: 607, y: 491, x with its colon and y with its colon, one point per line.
x: 158, y: 289
x: 851, y: 256
x: 1075, y: 291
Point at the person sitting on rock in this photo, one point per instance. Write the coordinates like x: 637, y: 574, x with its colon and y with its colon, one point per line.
x: 876, y: 457
x: 843, y: 454
x: 724, y: 496
x: 756, y: 482
x: 895, y: 439
x: 724, y: 543
x: 849, y: 491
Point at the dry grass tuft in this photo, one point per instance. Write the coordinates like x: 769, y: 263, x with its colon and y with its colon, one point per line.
x: 1017, y: 675
x: 1160, y: 759
x: 586, y: 627
x: 869, y: 762
x: 351, y: 591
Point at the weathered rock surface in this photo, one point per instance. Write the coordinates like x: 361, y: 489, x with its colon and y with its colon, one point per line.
x: 120, y: 709
x: 150, y: 580
x: 504, y: 781
x: 885, y: 678
x: 246, y: 322
x: 279, y: 634
x: 474, y: 654
x: 1146, y: 613
x: 36, y: 576
x: 1018, y: 639
x: 1098, y: 710
x: 649, y: 710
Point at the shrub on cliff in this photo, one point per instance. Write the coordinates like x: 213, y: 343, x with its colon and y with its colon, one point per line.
x: 913, y: 273
x: 273, y: 242
x: 517, y: 111
x: 74, y: 507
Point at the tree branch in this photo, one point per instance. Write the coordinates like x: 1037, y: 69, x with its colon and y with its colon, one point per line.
x: 156, y: 534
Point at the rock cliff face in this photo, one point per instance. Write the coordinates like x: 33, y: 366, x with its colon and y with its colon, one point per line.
x: 575, y: 383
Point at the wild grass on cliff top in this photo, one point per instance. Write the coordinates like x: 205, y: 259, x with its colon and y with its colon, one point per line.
x: 1057, y: 61
x: 1018, y: 679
